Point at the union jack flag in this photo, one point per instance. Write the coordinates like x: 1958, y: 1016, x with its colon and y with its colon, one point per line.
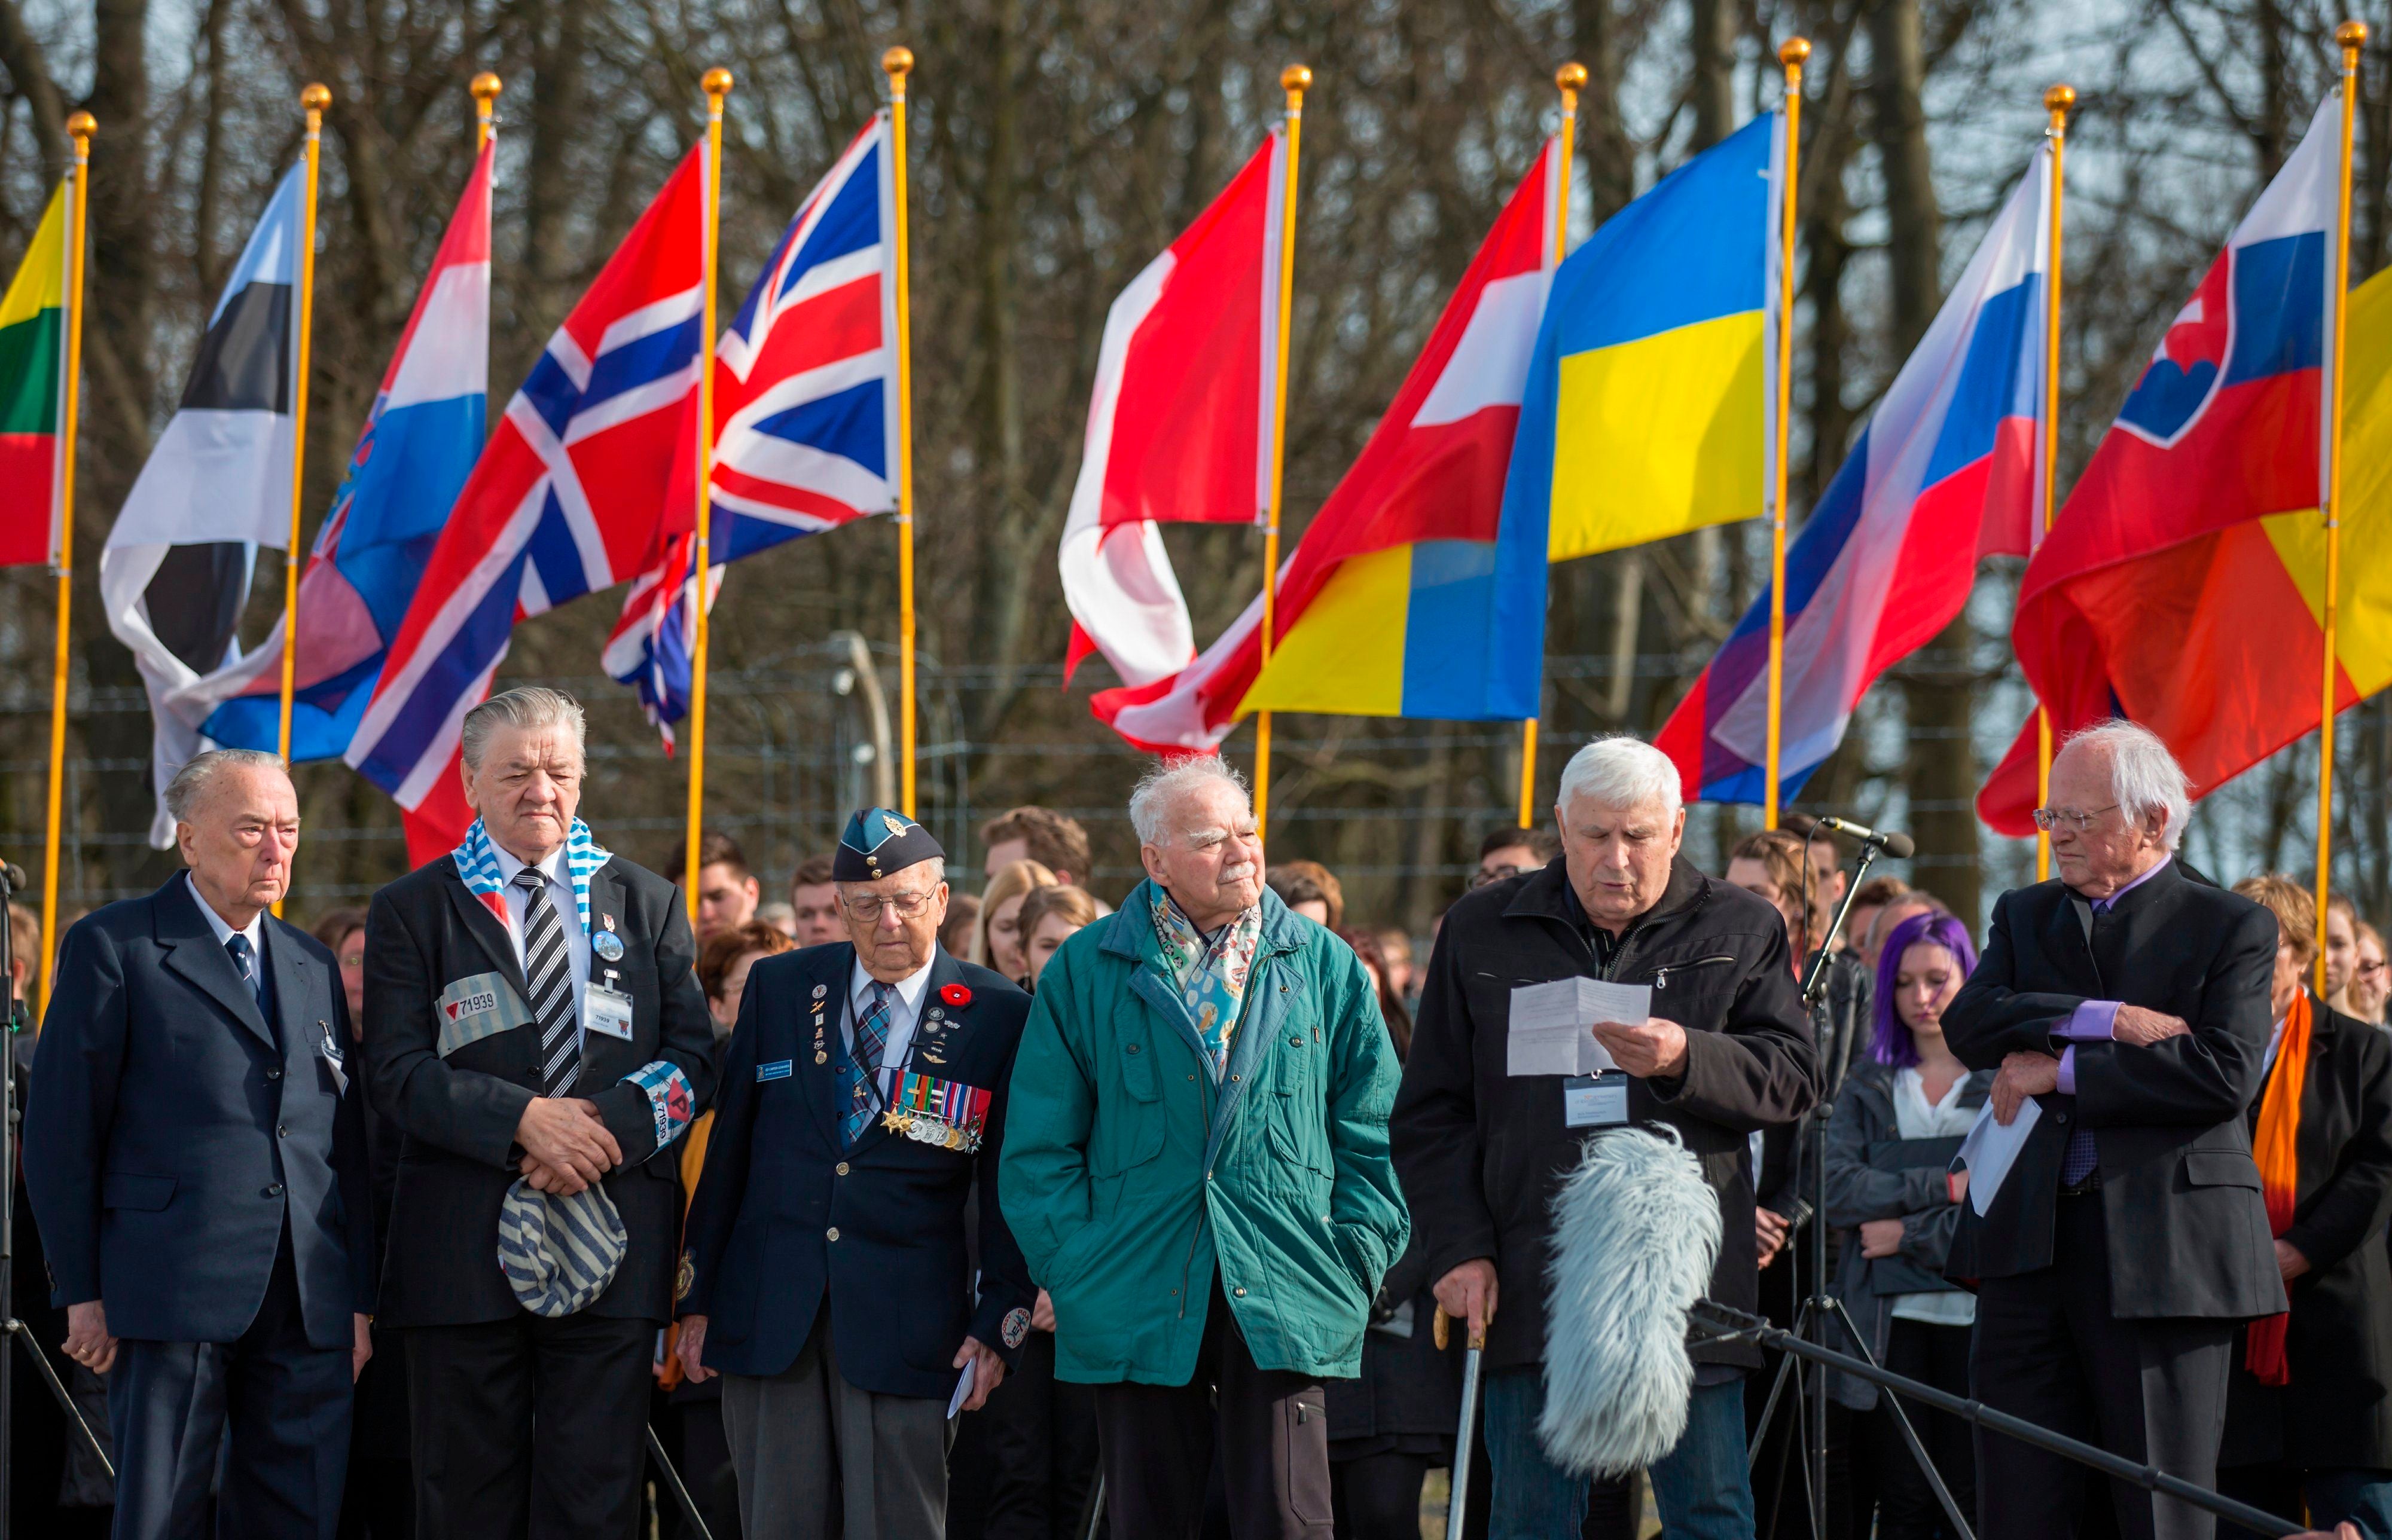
x: 804, y: 401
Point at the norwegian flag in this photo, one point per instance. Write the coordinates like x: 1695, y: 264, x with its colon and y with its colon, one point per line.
x: 805, y: 403
x: 564, y: 501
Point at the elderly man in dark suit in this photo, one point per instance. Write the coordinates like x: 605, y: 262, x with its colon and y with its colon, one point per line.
x: 2129, y: 1242
x: 827, y: 1275
x: 536, y: 1033
x: 196, y: 1160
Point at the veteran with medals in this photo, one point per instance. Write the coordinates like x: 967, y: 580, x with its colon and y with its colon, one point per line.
x: 826, y: 1275
x: 536, y: 1033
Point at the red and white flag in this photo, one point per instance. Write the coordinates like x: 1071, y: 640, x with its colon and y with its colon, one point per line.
x: 1180, y: 426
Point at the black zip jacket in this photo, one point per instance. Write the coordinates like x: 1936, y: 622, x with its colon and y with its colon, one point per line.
x: 1481, y: 1152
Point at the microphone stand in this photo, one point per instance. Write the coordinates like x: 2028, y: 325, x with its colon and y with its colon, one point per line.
x: 1820, y: 1303
x: 13, y: 1020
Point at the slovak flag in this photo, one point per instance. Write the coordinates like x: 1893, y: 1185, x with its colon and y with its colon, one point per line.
x: 1386, y: 607
x: 1944, y: 473
x: 421, y: 438
x: 565, y: 502
x: 2179, y: 586
x: 805, y: 387
x: 1182, y: 425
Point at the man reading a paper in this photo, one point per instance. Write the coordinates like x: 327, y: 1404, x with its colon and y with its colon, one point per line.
x: 1619, y: 984
x: 2127, y: 1240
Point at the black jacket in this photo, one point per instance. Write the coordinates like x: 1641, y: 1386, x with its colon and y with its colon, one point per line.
x: 1481, y: 1152
x: 1410, y: 1392
x: 2337, y: 1411
x: 787, y: 1216
x: 1873, y: 1172
x: 172, y: 1132
x: 2188, y: 1230
x: 456, y: 1115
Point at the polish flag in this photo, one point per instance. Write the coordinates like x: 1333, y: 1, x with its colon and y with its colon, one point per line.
x: 1180, y: 424
x: 1433, y: 472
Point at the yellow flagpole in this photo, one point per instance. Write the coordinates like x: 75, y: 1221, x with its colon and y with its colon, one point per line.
x: 1791, y: 54
x: 315, y: 99
x: 1571, y: 79
x: 2352, y: 36
x: 1295, y: 79
x: 486, y: 89
x: 2055, y: 102
x: 717, y: 85
x: 80, y: 127
x: 898, y: 63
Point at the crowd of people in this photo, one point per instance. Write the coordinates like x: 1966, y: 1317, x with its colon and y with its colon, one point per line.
x: 881, y: 1208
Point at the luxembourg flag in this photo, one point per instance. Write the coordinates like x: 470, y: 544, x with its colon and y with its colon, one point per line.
x: 1944, y: 474
x: 1386, y: 607
x: 805, y: 387
x: 421, y: 438
x: 565, y: 502
x: 1180, y: 424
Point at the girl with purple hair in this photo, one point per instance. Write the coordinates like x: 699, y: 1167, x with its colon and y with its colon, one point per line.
x: 1896, y: 1129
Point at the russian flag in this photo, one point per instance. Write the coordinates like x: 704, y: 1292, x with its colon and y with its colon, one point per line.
x: 805, y: 416
x: 1944, y: 473
x: 1388, y: 606
x: 421, y: 438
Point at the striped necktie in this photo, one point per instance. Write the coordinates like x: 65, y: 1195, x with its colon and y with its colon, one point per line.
x: 549, y: 975
x: 871, y: 1038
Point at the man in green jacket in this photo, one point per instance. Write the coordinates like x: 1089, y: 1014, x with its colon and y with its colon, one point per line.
x: 1196, y: 1168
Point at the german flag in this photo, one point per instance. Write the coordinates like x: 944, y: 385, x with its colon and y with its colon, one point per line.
x: 33, y: 376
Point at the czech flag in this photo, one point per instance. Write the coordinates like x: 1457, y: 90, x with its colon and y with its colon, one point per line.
x: 1944, y: 473
x: 2181, y: 584
x: 1386, y: 606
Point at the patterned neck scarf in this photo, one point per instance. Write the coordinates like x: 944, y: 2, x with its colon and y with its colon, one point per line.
x: 1211, y: 976
x: 478, y: 863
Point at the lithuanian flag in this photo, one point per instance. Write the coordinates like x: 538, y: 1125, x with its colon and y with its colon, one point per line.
x: 32, y: 376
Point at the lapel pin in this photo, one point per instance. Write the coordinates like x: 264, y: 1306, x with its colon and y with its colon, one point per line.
x: 607, y: 945
x: 821, y: 990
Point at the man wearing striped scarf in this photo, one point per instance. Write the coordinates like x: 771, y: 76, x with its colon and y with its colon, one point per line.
x: 535, y: 1030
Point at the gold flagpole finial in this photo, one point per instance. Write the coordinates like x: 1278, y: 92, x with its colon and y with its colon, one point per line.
x: 486, y: 88
x: 716, y: 83
x: 1295, y: 78
x: 897, y: 62
x: 2352, y: 35
x: 317, y: 96
x: 2059, y: 100
x: 1572, y: 77
x: 81, y: 125
x: 1794, y: 52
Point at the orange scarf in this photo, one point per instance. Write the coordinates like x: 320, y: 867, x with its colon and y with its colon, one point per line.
x: 2276, y: 1149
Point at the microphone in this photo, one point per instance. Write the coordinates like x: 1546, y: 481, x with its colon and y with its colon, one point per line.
x: 12, y: 876
x: 1899, y: 845
x: 1636, y: 1232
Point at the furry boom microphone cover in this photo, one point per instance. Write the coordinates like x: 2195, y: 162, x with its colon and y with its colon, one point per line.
x: 1636, y: 1232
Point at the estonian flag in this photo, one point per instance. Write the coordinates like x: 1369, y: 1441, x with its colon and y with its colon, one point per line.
x: 177, y: 571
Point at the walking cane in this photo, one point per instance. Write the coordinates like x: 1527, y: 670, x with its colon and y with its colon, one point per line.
x: 1458, y: 1490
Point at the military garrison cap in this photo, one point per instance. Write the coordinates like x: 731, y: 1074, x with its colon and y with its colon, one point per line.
x: 879, y: 843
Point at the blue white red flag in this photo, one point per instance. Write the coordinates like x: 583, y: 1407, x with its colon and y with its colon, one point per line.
x: 563, y: 502
x: 1944, y: 473
x: 805, y: 403
x: 420, y: 441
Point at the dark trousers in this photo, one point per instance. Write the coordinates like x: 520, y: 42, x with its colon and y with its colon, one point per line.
x: 529, y: 1429
x: 1041, y: 1440
x: 1906, y: 1508
x: 2050, y: 1349
x: 1378, y: 1497
x: 1269, y: 1427
x: 274, y: 1407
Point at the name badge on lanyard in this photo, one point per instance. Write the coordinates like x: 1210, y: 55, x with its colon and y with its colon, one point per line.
x: 1595, y: 1101
x: 606, y: 1010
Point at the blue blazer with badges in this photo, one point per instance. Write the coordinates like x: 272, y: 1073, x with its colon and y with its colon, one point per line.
x: 172, y: 1129
x: 786, y: 1216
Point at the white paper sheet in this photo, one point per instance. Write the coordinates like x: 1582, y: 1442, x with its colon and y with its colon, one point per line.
x: 963, y: 1391
x: 1550, y: 1026
x: 1991, y: 1149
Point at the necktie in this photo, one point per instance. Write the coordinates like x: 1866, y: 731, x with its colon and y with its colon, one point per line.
x: 2082, y: 1154
x: 244, y: 961
x: 871, y: 1038
x: 550, y: 978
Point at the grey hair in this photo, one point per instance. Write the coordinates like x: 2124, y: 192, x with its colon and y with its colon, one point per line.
x: 525, y: 707
x: 2144, y: 776
x: 191, y: 782
x: 1166, y: 782
x: 1621, y: 771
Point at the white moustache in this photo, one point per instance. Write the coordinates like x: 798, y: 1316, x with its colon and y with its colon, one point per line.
x: 1238, y: 873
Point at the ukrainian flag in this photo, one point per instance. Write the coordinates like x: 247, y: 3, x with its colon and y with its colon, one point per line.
x: 1645, y: 414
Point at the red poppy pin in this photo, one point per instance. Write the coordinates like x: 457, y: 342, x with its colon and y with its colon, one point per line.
x: 957, y: 995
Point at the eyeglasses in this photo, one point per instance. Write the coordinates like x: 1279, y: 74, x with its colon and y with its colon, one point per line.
x: 865, y: 908
x: 2078, y: 819
x: 1485, y: 875
x: 2367, y: 969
